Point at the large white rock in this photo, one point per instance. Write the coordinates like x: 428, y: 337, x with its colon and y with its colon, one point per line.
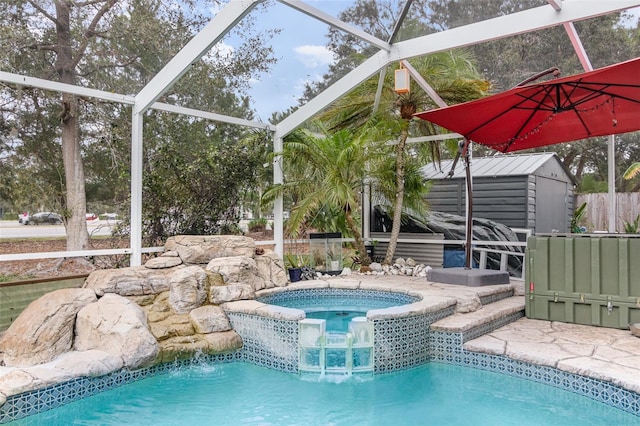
x: 272, y: 269
x: 133, y: 281
x: 209, y: 319
x: 225, y: 341
x: 239, y: 269
x: 92, y: 363
x: 117, y: 326
x: 66, y: 367
x: 231, y: 293
x: 188, y: 289
x: 44, y: 330
x: 200, y: 249
x: 163, y: 262
x: 16, y: 380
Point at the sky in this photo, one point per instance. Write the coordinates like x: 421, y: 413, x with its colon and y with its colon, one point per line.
x: 301, y: 53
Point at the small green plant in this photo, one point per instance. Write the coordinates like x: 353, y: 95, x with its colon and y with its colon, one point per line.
x: 578, y: 215
x: 257, y: 225
x: 632, y: 228
x: 294, y: 260
x: 333, y: 255
x: 292, y: 256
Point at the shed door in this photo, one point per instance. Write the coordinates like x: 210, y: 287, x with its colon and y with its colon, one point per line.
x: 551, y: 206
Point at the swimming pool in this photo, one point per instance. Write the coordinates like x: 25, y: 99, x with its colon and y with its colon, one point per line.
x: 240, y: 393
x: 319, y: 299
x: 337, y: 306
x: 403, y: 344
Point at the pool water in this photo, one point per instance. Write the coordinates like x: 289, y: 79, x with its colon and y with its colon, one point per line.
x: 337, y: 321
x: 245, y: 394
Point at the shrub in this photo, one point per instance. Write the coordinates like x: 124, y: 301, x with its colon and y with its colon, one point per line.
x: 257, y: 225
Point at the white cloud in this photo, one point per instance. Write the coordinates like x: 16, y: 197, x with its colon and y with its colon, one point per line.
x: 314, y: 56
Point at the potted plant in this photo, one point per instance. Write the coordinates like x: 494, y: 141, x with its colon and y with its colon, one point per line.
x: 293, y: 259
x: 294, y: 264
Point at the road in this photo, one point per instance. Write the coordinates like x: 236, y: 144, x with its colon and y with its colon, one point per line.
x: 12, y: 229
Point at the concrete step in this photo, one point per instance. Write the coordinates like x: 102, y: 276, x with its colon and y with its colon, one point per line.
x: 463, y: 322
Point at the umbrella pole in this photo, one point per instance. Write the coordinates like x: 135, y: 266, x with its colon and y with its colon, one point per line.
x: 467, y: 168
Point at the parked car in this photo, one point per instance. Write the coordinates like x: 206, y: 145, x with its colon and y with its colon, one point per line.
x: 44, y: 217
x: 91, y: 216
x: 23, y: 218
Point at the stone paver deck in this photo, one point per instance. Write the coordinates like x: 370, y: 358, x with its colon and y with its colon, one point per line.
x: 601, y: 353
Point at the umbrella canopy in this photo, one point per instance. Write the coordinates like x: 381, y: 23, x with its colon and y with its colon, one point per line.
x: 602, y: 102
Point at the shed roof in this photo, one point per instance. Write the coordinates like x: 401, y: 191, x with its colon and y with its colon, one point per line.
x: 499, y: 165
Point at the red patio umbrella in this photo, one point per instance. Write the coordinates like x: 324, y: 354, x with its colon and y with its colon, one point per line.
x: 602, y: 102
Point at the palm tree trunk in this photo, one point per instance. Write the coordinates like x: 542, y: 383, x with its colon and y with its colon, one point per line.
x: 359, y: 243
x: 397, y: 208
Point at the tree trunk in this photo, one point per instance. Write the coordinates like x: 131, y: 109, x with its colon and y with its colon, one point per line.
x: 397, y: 208
x: 357, y: 236
x: 76, y: 224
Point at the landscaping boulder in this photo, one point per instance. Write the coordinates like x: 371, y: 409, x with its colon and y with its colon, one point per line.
x: 172, y: 326
x: 44, y: 330
x: 272, y: 269
x: 239, y: 269
x: 132, y: 281
x: 117, y: 326
x: 200, y: 249
x: 209, y: 319
x: 163, y: 262
x: 92, y: 363
x: 188, y: 289
x: 231, y: 293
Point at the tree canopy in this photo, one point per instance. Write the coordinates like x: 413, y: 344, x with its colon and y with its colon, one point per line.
x: 63, y: 152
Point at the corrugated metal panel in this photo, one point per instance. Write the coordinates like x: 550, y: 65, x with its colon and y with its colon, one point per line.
x: 15, y: 297
x: 429, y: 254
x: 503, y: 200
x: 500, y: 165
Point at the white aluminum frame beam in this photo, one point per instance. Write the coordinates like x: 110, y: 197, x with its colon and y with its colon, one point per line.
x: 221, y: 24
x: 54, y: 86
x: 577, y: 46
x: 211, y: 116
x: 336, y: 23
x: 423, y: 84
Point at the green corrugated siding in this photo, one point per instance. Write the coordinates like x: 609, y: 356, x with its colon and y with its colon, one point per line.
x: 14, y: 297
x: 588, y: 279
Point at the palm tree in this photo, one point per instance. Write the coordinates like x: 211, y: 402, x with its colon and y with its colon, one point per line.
x: 632, y: 171
x: 451, y: 74
x: 322, y: 173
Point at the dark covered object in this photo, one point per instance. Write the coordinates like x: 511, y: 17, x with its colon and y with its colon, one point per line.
x: 454, y: 228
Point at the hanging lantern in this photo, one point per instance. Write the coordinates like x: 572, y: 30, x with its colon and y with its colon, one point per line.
x: 402, y: 80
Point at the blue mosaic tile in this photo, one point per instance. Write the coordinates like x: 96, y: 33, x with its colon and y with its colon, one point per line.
x: 491, y: 326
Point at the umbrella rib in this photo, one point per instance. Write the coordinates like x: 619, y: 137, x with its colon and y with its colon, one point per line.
x: 601, y: 90
x: 547, y: 90
x: 516, y: 106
